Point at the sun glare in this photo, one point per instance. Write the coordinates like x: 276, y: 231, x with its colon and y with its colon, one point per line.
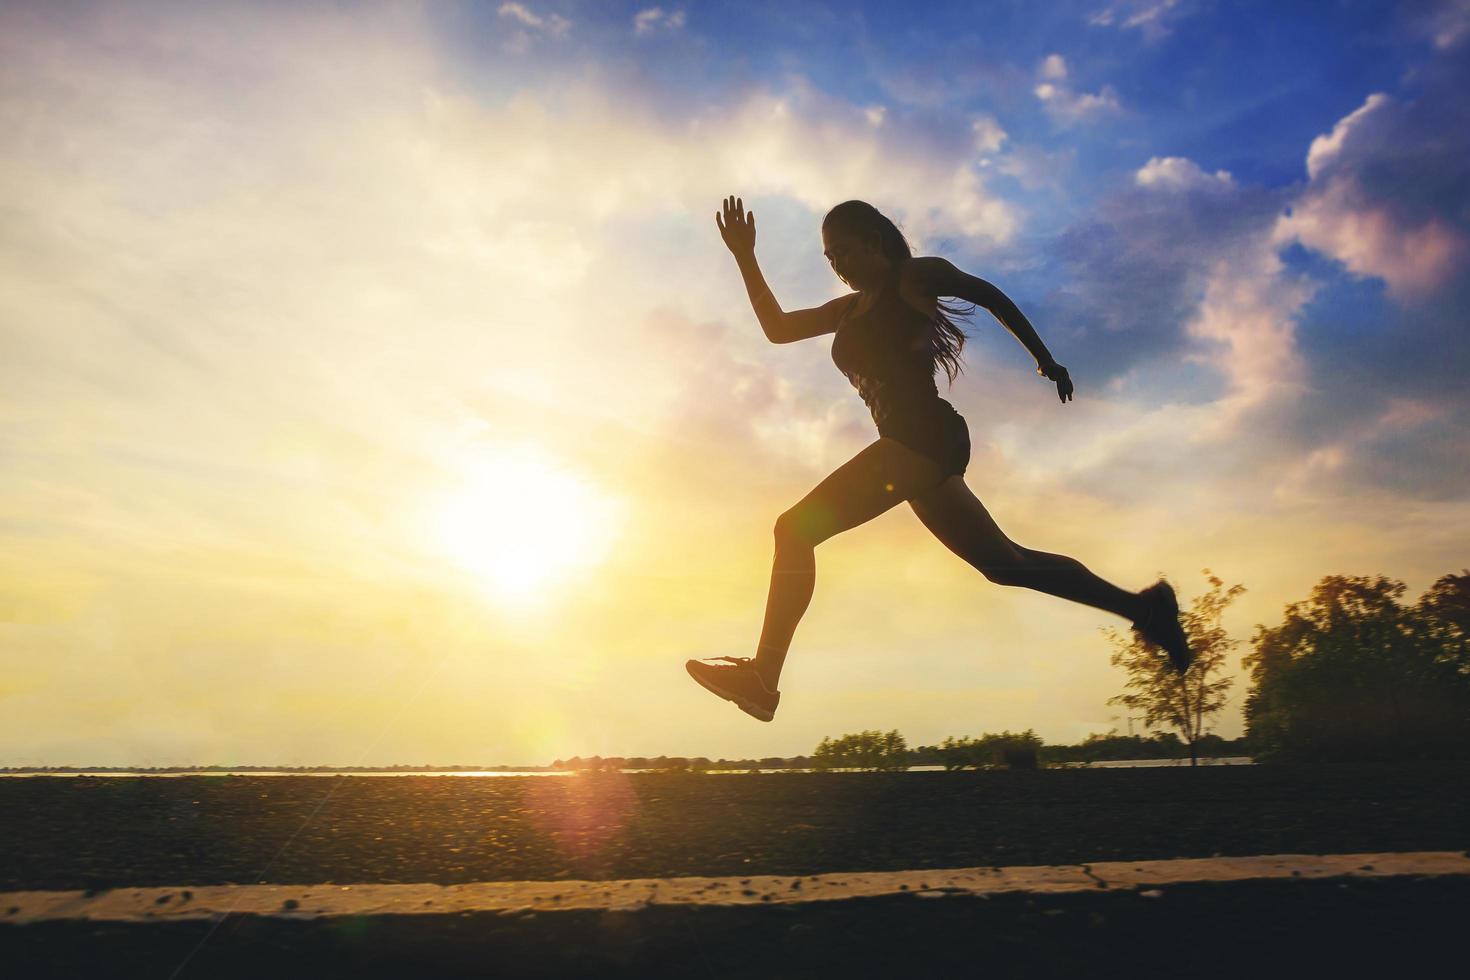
x: 521, y: 522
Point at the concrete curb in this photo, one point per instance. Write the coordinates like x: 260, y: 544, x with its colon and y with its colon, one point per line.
x: 179, y: 903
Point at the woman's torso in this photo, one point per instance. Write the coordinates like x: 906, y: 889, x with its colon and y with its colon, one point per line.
x: 887, y: 350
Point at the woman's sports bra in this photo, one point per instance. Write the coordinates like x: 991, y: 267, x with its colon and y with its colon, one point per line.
x: 887, y: 352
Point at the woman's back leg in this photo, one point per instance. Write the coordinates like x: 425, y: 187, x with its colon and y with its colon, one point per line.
x: 960, y: 521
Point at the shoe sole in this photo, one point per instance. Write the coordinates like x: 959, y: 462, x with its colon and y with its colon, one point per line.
x: 749, y: 707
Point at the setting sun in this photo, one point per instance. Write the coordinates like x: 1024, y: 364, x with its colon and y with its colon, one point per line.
x: 520, y: 521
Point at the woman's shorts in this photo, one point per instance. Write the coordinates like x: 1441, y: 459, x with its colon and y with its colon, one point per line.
x: 936, y: 431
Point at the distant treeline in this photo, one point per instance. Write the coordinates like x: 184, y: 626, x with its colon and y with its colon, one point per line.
x: 877, y: 750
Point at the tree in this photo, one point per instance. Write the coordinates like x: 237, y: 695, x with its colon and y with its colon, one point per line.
x: 987, y: 750
x: 864, y: 750
x: 1155, y: 688
x: 1445, y: 617
x: 1353, y: 673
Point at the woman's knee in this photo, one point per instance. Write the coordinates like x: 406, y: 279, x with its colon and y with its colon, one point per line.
x: 802, y: 527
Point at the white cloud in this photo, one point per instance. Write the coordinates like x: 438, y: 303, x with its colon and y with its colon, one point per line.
x: 1248, y: 320
x: 1066, y: 106
x: 552, y: 25
x: 1146, y: 16
x: 1328, y: 147
x: 989, y: 137
x: 656, y: 18
x: 1180, y: 173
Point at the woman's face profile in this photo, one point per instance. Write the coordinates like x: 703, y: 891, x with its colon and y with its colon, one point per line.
x: 850, y: 258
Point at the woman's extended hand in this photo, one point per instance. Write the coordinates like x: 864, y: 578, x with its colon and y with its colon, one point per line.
x: 1055, y: 372
x: 737, y: 229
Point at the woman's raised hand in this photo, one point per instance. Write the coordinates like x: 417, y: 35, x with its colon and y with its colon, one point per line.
x: 737, y: 228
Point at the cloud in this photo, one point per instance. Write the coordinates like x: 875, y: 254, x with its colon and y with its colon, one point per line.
x: 1034, y: 168
x: 553, y: 24
x: 989, y: 137
x: 1066, y: 106
x: 1444, y: 23
x: 818, y: 150
x: 519, y: 42
x: 1149, y: 17
x: 1386, y: 185
x: 1179, y: 173
x: 1188, y: 266
x: 365, y: 252
x: 1371, y: 240
x: 1054, y: 66
x: 1248, y: 319
x: 1348, y: 456
x: 654, y: 19
x: 1137, y: 269
x: 1328, y: 147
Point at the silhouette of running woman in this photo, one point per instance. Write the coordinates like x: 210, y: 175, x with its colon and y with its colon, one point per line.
x: 890, y: 335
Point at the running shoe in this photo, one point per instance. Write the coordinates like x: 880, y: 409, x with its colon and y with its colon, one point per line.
x: 739, y: 682
x: 1160, y: 624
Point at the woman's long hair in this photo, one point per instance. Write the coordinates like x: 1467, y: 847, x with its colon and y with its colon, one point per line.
x: 861, y: 219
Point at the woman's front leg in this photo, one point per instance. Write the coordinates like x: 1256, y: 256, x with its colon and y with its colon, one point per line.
x: 882, y: 475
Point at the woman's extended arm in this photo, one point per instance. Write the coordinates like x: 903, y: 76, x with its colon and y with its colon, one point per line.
x: 943, y: 279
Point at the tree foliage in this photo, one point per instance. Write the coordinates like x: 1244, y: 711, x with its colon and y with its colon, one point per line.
x: 1444, y: 611
x: 988, y: 750
x: 1184, y: 704
x: 1353, y: 673
x: 863, y: 750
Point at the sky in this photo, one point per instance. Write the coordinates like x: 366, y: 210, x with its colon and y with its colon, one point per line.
x: 375, y: 387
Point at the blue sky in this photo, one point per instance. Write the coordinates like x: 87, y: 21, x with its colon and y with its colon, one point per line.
x: 384, y: 362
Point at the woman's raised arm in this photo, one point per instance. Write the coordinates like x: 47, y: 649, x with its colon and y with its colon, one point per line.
x: 738, y: 231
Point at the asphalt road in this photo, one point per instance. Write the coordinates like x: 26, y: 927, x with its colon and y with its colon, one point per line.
x: 109, y: 832
x: 99, y: 833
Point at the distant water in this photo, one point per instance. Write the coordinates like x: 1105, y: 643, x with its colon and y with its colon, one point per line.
x: 311, y: 772
x: 1113, y: 764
